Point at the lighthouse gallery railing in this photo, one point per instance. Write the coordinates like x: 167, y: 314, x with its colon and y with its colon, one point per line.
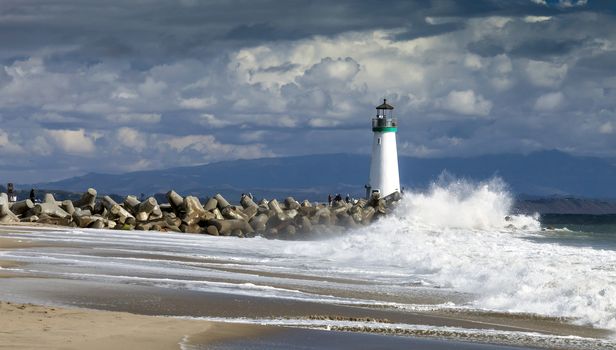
x: 384, y: 123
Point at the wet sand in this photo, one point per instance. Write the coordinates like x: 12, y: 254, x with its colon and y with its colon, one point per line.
x: 334, y: 340
x: 138, y: 305
x: 27, y: 326
x: 7, y: 243
x: 152, y: 301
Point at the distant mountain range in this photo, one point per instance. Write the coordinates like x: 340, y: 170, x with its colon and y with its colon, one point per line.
x: 540, y: 174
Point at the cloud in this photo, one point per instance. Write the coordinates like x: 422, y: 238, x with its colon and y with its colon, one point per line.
x: 473, y: 62
x: 323, y: 122
x: 142, y: 93
x: 546, y: 74
x: 134, y: 118
x: 131, y: 138
x: 197, y: 103
x: 466, y: 102
x: 562, y: 3
x: 7, y: 146
x: 606, y: 128
x: 152, y: 88
x: 536, y: 19
x: 540, y: 2
x: 572, y: 3
x: 550, y: 101
x: 52, y: 117
x: 211, y: 149
x: 252, y: 136
x: 210, y: 120
x: 73, y: 142
x: 330, y: 71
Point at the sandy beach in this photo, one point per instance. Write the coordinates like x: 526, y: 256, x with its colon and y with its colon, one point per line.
x: 27, y: 326
x: 43, y: 307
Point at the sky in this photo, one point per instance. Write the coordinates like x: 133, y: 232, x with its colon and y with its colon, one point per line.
x: 116, y: 86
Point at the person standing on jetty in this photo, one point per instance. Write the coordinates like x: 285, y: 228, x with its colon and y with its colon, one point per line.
x: 329, y: 199
x: 10, y: 191
x: 32, y: 196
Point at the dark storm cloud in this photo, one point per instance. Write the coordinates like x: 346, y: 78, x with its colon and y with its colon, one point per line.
x: 536, y: 49
x: 126, y: 85
x: 486, y: 47
x: 427, y: 30
x: 163, y: 28
x: 540, y: 49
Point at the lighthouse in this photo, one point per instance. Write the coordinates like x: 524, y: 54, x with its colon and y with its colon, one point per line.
x: 384, y: 176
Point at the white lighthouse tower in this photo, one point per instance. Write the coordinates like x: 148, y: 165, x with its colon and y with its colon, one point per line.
x: 384, y: 176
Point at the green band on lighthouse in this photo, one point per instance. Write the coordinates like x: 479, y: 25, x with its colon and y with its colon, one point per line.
x: 385, y: 129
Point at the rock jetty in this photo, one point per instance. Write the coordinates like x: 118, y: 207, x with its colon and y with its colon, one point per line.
x: 216, y: 216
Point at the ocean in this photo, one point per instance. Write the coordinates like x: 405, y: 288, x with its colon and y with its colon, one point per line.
x: 454, y: 252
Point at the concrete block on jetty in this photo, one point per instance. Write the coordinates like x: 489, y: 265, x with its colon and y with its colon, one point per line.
x: 289, y: 219
x: 6, y: 215
x: 87, y: 200
x: 176, y: 201
x: 118, y: 213
x: 20, y: 207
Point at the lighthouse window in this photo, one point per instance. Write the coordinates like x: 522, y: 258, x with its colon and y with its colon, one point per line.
x: 379, y: 141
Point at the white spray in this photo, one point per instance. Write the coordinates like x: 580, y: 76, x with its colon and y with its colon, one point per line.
x: 462, y: 236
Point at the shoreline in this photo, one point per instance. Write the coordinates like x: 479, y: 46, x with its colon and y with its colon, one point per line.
x: 27, y: 326
x: 187, y: 305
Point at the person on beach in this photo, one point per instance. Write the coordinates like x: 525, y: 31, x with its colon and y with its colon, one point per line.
x: 338, y: 198
x: 348, y: 198
x: 32, y: 196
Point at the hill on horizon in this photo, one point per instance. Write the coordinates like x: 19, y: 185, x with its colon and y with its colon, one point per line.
x: 546, y: 173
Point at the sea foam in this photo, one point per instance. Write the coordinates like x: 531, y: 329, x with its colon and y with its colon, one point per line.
x: 462, y: 236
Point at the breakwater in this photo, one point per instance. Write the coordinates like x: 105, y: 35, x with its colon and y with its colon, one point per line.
x: 216, y: 216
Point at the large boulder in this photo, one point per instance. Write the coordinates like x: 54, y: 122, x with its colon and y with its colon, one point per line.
x: 118, y: 213
x: 49, y: 199
x: 250, y: 212
x: 6, y: 215
x: 87, y: 200
x: 211, y: 204
x: 231, y: 212
x: 176, y: 201
x: 194, y: 211
x: 304, y: 224
x: 222, y: 202
x: 21, y: 207
x: 68, y: 206
x: 259, y: 222
x: 226, y: 227
x: 131, y: 203
x: 247, y: 202
x: 148, y: 210
x: 51, y: 210
x: 291, y: 203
